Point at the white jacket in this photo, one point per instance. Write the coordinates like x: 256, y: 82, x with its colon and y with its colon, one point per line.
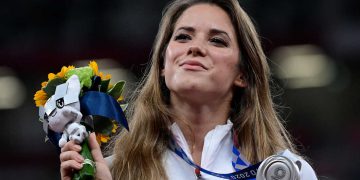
x: 216, y: 156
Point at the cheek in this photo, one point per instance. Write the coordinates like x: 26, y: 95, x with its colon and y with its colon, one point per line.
x: 168, y: 63
x: 167, y: 55
x: 170, y: 52
x: 175, y: 50
x: 227, y: 66
x: 227, y: 61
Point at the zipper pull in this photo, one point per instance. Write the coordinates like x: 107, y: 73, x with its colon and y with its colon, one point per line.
x: 197, y: 173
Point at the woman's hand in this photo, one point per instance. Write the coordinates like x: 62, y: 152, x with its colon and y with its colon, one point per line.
x: 71, y: 160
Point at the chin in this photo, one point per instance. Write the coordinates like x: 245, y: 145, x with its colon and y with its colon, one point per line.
x: 187, y: 88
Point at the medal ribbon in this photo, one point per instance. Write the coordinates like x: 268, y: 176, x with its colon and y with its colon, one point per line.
x: 248, y: 173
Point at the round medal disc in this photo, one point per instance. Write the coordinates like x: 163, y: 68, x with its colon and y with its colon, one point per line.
x: 278, y: 167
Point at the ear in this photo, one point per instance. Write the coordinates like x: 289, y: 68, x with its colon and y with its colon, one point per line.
x: 240, y: 80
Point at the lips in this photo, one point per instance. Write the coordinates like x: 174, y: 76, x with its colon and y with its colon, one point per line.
x: 193, y: 65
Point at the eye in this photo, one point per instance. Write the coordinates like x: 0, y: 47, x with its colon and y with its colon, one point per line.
x: 60, y: 103
x: 182, y: 37
x: 219, y: 42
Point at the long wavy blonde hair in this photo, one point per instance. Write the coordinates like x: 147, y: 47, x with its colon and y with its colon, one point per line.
x: 139, y: 153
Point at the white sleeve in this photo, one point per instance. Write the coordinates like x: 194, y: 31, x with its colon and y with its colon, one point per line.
x: 306, y: 171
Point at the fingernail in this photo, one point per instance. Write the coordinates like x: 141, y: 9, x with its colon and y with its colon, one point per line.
x: 92, y: 134
x: 77, y: 147
x: 79, y: 158
x: 80, y: 165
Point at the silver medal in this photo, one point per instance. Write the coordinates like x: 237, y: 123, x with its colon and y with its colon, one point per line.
x: 278, y: 167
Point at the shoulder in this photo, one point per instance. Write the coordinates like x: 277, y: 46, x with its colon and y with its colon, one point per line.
x: 306, y: 171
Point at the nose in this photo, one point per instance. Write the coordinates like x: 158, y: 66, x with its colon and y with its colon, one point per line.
x: 196, y: 50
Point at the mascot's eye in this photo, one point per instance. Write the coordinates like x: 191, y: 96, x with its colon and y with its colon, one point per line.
x: 60, y: 103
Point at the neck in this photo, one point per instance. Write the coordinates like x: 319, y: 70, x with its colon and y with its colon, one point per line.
x: 196, y: 120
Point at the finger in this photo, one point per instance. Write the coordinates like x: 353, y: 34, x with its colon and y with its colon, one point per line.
x: 70, y: 165
x: 66, y: 178
x: 95, y: 148
x: 71, y: 155
x: 67, y: 167
x: 71, y: 146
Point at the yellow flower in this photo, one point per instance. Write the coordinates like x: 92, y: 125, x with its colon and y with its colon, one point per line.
x: 51, y: 76
x: 40, y: 94
x: 40, y: 98
x: 110, y: 86
x: 64, y: 70
x: 102, y: 138
x: 120, y: 98
x: 43, y: 84
x: 114, y: 127
x: 104, y: 77
x: 93, y: 65
x: 61, y: 74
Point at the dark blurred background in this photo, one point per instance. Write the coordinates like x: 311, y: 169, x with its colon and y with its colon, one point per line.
x: 313, y: 47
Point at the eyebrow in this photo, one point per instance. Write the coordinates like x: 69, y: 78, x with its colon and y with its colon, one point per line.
x: 212, y: 31
x: 218, y: 31
x: 186, y: 28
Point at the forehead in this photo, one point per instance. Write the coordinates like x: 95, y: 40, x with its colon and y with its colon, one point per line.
x: 205, y: 16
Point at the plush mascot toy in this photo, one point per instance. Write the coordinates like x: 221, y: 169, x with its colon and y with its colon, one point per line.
x: 62, y: 112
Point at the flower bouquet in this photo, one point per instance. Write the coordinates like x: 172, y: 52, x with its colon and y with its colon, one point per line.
x: 78, y: 100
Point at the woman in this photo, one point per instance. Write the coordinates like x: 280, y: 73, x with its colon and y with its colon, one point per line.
x: 206, y: 92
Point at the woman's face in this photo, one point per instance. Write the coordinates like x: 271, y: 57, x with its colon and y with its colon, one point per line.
x: 202, y: 56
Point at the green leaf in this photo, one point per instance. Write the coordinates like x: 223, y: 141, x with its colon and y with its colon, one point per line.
x: 102, y: 125
x: 104, y: 85
x: 123, y: 107
x: 51, y: 86
x: 117, y: 90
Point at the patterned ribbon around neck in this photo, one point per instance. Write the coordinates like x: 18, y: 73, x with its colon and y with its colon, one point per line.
x: 243, y: 170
